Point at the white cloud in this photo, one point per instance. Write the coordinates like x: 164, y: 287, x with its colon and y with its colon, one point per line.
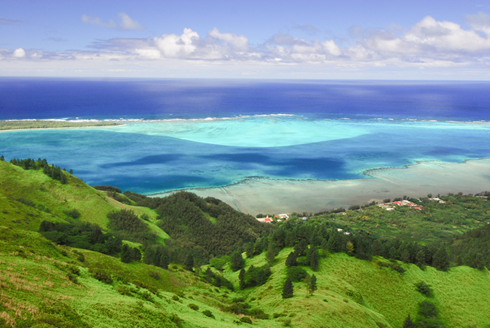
x: 98, y: 21
x: 479, y: 22
x: 172, y: 45
x: 19, y: 53
x: 126, y: 23
x: 429, y: 43
x: 428, y: 37
x: 238, y: 42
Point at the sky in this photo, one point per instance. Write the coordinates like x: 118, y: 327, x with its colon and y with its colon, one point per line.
x: 267, y: 39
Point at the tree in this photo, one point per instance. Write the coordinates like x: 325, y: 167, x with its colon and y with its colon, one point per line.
x: 291, y: 260
x: 125, y: 254
x: 377, y: 248
x: 314, y: 260
x: 324, y: 247
x: 271, y: 253
x: 249, y: 249
x: 164, y: 260
x: 394, y: 254
x: 287, y: 291
x: 440, y: 260
x: 335, y: 243
x: 408, y: 323
x: 350, y: 247
x: 241, y: 279
x: 135, y: 254
x: 189, y: 262
x: 2, y: 158
x: 420, y: 259
x: 236, y: 262
x: 312, y: 285
x: 301, y: 247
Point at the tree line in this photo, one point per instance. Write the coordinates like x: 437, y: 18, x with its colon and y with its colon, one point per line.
x: 55, y: 172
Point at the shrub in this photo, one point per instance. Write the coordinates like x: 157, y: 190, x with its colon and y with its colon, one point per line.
x: 259, y: 314
x: 124, y: 290
x: 81, y: 257
x: 427, y: 310
x: 296, y: 273
x: 101, y: 275
x: 72, y: 278
x: 74, y: 270
x: 208, y: 313
x: 246, y: 320
x: 424, y: 289
x: 154, y: 275
x: 73, y: 213
x: 193, y: 306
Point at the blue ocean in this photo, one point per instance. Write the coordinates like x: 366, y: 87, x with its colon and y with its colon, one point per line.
x: 208, y: 133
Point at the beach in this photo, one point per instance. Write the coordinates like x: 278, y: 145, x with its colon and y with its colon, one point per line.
x: 262, y: 195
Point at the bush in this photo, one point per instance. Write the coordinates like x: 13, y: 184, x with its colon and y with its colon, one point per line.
x: 246, y: 320
x: 74, y: 270
x: 154, y: 275
x: 73, y: 213
x: 208, y: 313
x: 101, y: 275
x: 72, y: 278
x: 259, y: 314
x: 193, y: 306
x: 296, y: 273
x: 427, y: 310
x: 124, y: 290
x: 424, y: 289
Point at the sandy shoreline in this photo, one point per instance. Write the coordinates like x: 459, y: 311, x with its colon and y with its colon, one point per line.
x: 262, y: 195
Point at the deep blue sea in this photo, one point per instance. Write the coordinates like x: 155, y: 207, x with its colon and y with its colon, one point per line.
x: 206, y: 133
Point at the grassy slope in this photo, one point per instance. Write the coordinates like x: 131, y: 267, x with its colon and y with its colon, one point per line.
x: 360, y: 293
x: 35, y: 186
x: 34, y: 283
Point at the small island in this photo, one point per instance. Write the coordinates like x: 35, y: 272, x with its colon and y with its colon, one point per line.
x: 43, y: 124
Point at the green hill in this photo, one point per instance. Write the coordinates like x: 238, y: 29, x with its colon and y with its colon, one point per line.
x: 43, y: 284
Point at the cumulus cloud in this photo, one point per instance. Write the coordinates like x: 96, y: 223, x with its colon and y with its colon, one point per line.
x: 19, y: 53
x: 215, y: 46
x: 428, y: 43
x: 126, y: 23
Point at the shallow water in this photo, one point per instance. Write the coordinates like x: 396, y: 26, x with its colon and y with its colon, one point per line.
x: 154, y: 157
x: 191, y: 133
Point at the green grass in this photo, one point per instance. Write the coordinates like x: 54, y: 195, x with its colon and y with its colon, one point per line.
x: 35, y: 186
x: 35, y: 283
x: 209, y: 217
x: 360, y: 293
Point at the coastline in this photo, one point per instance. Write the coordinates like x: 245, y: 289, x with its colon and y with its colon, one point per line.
x: 264, y: 195
x: 29, y: 125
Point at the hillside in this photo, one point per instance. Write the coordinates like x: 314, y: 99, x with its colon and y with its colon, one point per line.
x: 45, y: 284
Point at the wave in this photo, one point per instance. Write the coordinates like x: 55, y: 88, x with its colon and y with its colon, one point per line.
x: 240, y: 117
